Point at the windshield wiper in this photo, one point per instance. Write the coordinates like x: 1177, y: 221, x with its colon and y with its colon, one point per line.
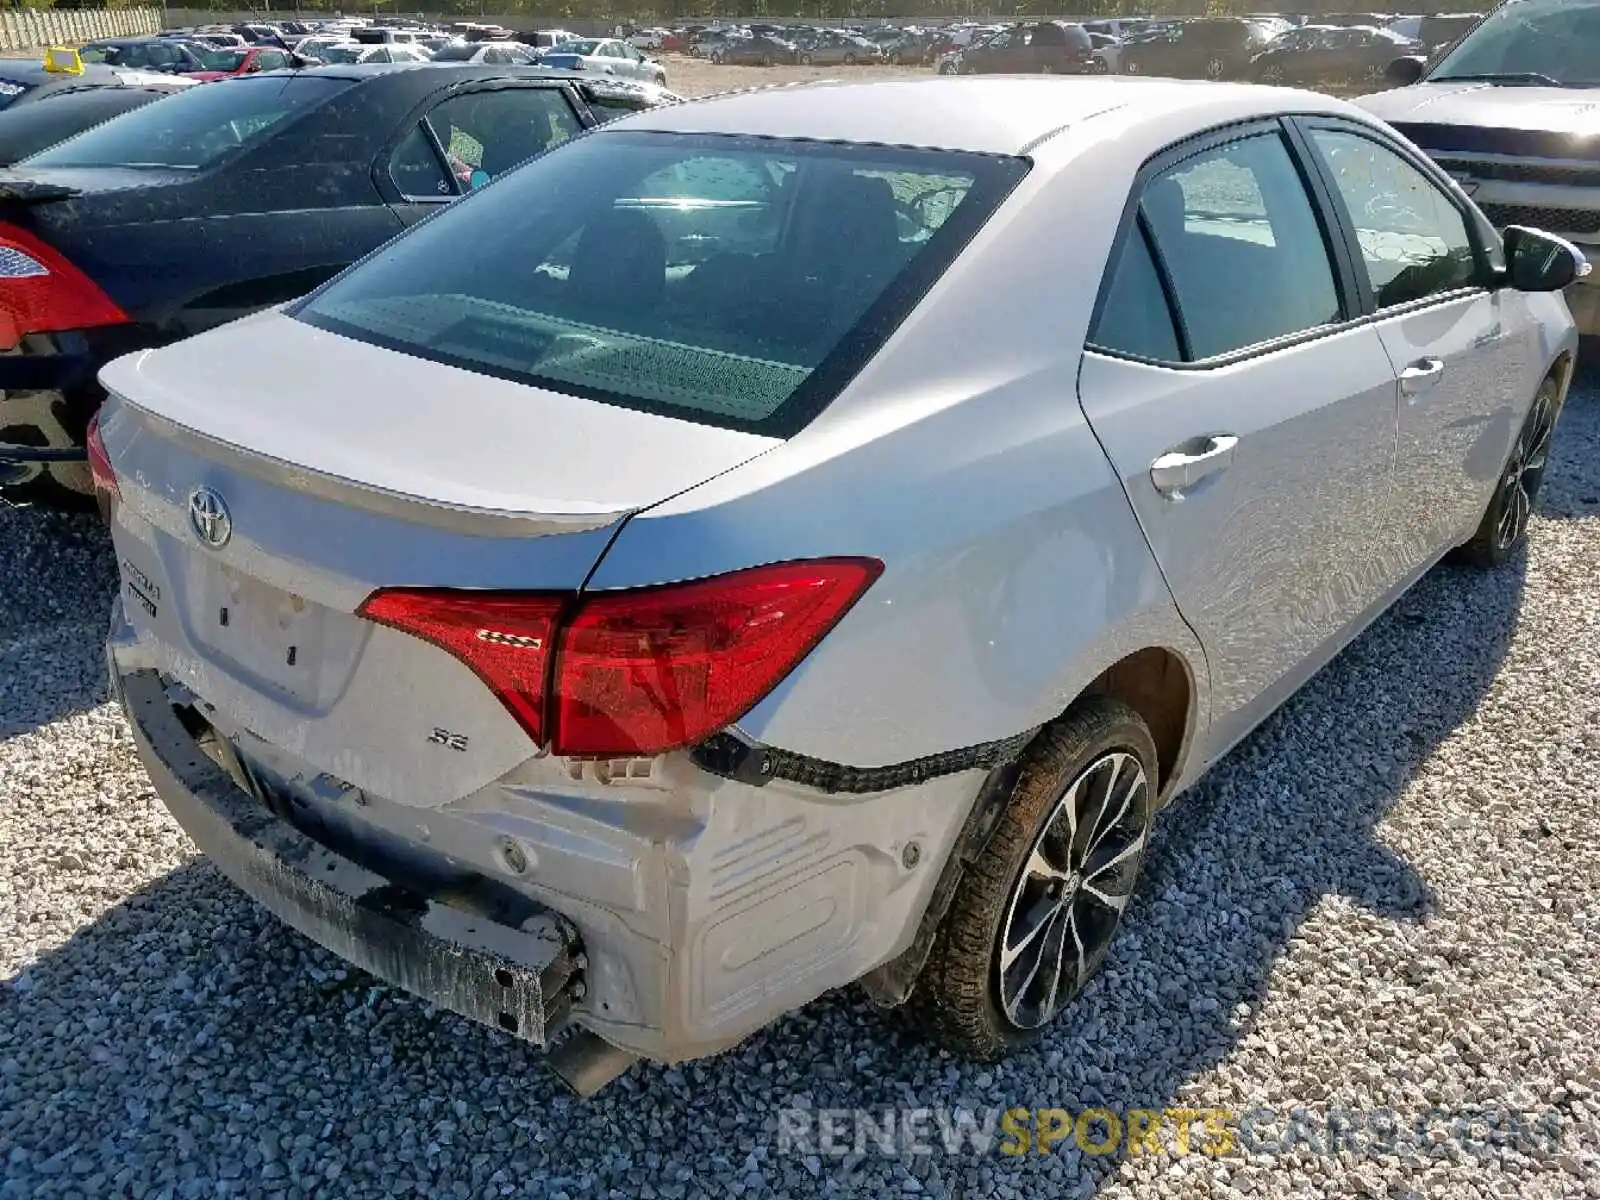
x: 1509, y: 78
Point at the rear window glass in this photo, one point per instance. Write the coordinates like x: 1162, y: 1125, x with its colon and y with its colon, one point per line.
x: 732, y: 281
x: 194, y: 128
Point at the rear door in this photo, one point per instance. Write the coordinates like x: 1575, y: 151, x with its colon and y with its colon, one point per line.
x: 1457, y: 344
x: 1249, y: 416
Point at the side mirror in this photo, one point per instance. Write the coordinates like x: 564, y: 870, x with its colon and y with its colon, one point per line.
x: 1541, y: 262
x: 1403, y: 72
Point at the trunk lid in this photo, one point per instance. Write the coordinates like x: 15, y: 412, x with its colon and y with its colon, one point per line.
x: 395, y: 423
x: 335, y: 469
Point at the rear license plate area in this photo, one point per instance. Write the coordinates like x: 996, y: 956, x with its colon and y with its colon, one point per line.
x: 260, y: 630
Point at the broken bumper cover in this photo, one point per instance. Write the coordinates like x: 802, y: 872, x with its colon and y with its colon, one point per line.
x: 516, y: 979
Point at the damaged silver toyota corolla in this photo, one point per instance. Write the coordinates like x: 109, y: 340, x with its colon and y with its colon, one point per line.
x: 804, y: 536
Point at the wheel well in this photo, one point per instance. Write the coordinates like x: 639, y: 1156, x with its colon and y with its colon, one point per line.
x: 1155, y: 683
x: 1562, y: 369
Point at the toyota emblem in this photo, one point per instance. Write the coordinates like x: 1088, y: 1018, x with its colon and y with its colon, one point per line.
x: 209, y: 518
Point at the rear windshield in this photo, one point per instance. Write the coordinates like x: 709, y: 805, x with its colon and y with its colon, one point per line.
x: 196, y: 127
x: 731, y: 281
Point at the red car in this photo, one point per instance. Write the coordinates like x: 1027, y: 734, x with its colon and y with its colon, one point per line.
x: 246, y: 60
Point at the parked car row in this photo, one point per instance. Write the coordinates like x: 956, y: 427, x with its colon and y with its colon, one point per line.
x: 1332, y: 48
x: 550, y: 634
x: 211, y: 52
x: 225, y: 198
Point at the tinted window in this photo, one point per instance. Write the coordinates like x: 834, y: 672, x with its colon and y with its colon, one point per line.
x: 1134, y: 318
x: 35, y: 127
x: 1241, y: 244
x: 718, y: 279
x: 487, y: 133
x: 455, y: 52
x: 1413, y: 239
x: 195, y: 127
x: 415, y: 168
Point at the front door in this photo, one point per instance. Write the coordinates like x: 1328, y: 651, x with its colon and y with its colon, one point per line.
x: 1459, y: 347
x: 1251, y: 421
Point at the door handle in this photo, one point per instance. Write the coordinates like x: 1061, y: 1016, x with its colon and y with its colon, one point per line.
x: 1421, y: 375
x: 1180, y: 468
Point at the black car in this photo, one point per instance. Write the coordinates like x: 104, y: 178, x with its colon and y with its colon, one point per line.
x: 1033, y: 47
x: 166, y: 55
x: 30, y: 128
x: 1209, y: 48
x: 1315, y: 55
x: 27, y: 81
x: 227, y: 198
x: 758, y: 50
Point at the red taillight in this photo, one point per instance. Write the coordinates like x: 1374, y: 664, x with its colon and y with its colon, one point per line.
x: 101, y: 475
x: 503, y: 636
x: 636, y: 671
x: 41, y: 292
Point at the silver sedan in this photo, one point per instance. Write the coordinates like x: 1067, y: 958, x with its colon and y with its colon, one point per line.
x: 608, y: 56
x: 653, y: 613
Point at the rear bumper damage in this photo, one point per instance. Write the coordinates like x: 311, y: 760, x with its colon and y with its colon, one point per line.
x: 516, y: 978
x: 676, y: 906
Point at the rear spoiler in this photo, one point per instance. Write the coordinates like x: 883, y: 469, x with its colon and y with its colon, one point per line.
x: 33, y: 191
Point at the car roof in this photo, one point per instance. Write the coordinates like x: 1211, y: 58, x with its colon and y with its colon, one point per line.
x: 986, y: 114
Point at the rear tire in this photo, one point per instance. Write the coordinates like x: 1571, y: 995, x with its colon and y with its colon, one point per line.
x: 1505, y: 521
x: 1046, y: 893
x: 1131, y: 67
x: 805, y: 60
x: 1216, y: 68
x: 850, y: 59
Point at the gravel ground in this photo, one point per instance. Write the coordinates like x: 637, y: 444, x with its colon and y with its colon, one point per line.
x: 1387, y: 898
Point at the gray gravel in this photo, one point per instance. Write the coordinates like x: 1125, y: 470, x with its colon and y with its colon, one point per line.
x: 1388, y: 898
